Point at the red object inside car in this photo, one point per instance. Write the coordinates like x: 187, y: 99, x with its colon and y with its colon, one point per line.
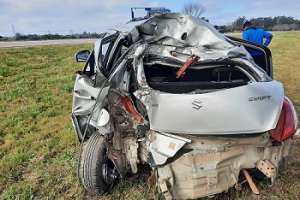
x: 192, y: 60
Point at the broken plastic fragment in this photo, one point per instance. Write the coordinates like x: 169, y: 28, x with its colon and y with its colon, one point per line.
x: 165, y: 146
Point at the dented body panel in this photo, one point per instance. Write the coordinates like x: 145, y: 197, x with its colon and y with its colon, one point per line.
x: 253, y: 108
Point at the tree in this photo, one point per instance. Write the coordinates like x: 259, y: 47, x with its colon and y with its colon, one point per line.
x: 238, y: 23
x: 193, y: 9
x: 19, y: 36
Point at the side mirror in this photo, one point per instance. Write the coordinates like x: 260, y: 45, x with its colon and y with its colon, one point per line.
x: 82, y: 56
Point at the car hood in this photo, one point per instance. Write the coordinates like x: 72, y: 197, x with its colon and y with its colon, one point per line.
x: 253, y: 108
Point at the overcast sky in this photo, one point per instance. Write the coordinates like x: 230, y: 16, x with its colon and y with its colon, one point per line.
x: 74, y: 16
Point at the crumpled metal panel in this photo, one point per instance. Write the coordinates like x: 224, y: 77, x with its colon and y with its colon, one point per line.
x: 214, y: 164
x: 186, y: 36
x: 174, y: 25
x: 87, y: 103
x: 252, y: 108
x: 84, y: 96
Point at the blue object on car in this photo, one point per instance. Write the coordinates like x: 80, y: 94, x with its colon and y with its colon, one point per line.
x: 257, y: 35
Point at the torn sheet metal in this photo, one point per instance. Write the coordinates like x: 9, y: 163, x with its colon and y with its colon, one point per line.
x: 86, y: 95
x: 267, y: 168
x: 87, y: 104
x: 131, y: 152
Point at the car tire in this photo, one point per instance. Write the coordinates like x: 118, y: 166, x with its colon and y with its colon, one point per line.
x: 90, y: 170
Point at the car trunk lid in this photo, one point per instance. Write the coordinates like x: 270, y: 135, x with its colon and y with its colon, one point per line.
x: 252, y: 108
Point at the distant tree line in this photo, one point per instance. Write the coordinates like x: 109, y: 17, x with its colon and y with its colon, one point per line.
x: 55, y: 36
x: 278, y: 23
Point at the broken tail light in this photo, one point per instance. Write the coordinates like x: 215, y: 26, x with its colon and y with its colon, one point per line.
x: 130, y: 108
x: 287, y: 123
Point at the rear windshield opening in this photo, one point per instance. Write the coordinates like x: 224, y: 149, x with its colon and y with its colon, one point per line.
x: 199, y: 79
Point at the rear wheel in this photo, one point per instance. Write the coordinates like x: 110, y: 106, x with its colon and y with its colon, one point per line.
x: 96, y: 172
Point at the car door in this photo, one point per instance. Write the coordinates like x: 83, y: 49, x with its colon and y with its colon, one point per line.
x: 92, y: 85
x: 264, y: 54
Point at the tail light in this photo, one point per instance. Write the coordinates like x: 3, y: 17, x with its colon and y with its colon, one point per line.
x: 287, y: 123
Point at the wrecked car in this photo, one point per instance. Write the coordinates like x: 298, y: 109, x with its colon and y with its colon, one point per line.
x: 176, y: 95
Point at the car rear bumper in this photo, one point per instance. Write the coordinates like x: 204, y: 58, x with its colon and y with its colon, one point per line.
x: 213, y: 164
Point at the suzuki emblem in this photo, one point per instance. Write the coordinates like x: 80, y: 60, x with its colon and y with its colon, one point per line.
x: 197, y: 104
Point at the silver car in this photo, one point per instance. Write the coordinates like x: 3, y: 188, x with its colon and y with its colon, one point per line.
x: 201, y: 109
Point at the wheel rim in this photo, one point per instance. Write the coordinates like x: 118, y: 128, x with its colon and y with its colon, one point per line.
x: 109, y: 172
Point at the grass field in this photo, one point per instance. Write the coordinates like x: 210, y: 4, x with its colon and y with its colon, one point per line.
x: 39, y: 149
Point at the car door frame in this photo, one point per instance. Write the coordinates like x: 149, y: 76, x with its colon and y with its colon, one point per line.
x: 104, y: 63
x: 264, y: 49
x: 90, y: 91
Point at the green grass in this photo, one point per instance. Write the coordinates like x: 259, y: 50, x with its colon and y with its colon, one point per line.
x: 39, y: 149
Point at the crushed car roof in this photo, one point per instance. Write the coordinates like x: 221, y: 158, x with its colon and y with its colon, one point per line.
x: 185, y: 35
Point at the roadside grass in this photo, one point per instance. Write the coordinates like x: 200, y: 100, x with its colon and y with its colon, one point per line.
x: 38, y: 146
